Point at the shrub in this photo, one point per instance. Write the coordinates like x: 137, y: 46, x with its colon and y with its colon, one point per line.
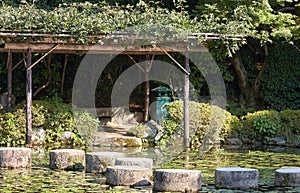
x: 291, y: 120
x: 261, y: 125
x: 201, y: 121
x: 53, y: 116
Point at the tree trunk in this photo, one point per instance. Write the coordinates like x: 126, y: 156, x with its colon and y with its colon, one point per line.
x: 248, y: 93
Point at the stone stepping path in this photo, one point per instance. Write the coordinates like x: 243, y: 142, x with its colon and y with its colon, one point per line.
x: 177, y: 180
x: 130, y: 161
x: 67, y: 159
x: 128, y: 176
x: 236, y: 178
x: 287, y: 177
x: 14, y: 157
x: 98, y: 161
x: 137, y: 172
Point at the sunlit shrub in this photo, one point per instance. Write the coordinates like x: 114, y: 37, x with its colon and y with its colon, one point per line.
x: 54, y: 117
x: 202, y: 118
x: 261, y: 125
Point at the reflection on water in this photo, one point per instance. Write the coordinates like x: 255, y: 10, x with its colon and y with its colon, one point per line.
x: 266, y: 159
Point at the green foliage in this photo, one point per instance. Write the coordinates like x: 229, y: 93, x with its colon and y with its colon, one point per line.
x: 280, y: 82
x: 260, y: 125
x: 291, y: 120
x: 138, y: 130
x: 83, y: 19
x: 264, y: 128
x: 200, y: 121
x: 55, y: 118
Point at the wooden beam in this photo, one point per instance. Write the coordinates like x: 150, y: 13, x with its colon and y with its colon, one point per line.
x: 28, y: 99
x: 98, y: 49
x: 173, y: 59
x: 186, y: 117
x: 51, y: 50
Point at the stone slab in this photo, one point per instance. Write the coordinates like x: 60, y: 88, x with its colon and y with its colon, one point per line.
x: 109, y: 140
x: 236, y: 178
x: 132, y: 161
x: 128, y: 176
x: 15, y: 157
x: 67, y: 159
x: 98, y: 161
x: 287, y: 177
x: 177, y: 180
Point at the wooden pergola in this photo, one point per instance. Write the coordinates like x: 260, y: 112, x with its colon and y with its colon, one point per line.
x: 29, y: 42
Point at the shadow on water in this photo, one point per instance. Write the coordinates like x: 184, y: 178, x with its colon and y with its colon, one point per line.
x: 266, y: 159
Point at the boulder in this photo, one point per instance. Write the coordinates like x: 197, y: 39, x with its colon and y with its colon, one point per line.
x: 67, y: 159
x: 287, y: 177
x: 279, y: 141
x: 38, y: 135
x: 14, y: 157
x: 157, y: 130
x: 98, y: 161
x: 236, y: 178
x: 233, y: 141
x: 66, y: 136
x: 177, y: 180
x: 128, y: 176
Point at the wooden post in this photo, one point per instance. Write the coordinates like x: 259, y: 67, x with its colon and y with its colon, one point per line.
x: 64, y: 74
x: 9, y: 81
x: 186, y: 103
x: 28, y: 98
x: 147, y: 89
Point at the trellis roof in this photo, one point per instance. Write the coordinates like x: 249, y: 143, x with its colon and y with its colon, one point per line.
x: 118, y: 42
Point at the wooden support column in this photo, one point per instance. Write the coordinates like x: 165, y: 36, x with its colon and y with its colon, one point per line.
x: 28, y: 98
x: 147, y: 89
x: 186, y: 103
x: 9, y: 81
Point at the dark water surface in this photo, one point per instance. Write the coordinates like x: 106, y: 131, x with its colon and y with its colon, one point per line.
x: 41, y: 179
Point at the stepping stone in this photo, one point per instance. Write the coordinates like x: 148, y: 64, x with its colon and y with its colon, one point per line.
x: 116, y: 141
x: 131, y: 161
x: 287, y: 177
x: 14, y: 157
x: 67, y: 159
x: 128, y: 176
x: 98, y: 161
x: 236, y: 178
x: 177, y: 180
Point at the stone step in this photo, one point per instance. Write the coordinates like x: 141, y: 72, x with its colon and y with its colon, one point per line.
x: 132, y: 161
x: 177, y: 180
x: 236, y: 178
x: 128, y: 176
x: 67, y: 159
x: 287, y: 177
x: 15, y: 157
x: 110, y: 140
x: 98, y: 161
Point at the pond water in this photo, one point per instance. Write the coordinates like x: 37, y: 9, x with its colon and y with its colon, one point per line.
x: 41, y: 179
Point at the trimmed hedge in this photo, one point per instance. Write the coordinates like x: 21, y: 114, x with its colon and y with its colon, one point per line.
x: 257, y: 126
x: 200, y: 121
x: 54, y: 117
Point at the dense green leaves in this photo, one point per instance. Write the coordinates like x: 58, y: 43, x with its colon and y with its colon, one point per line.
x: 281, y: 86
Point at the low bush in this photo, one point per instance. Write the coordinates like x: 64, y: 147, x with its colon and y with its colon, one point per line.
x: 202, y: 120
x: 260, y: 125
x: 291, y: 120
x: 55, y: 118
x: 291, y: 126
